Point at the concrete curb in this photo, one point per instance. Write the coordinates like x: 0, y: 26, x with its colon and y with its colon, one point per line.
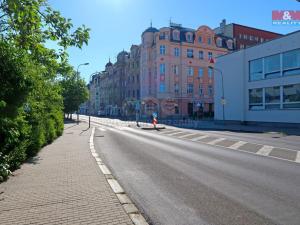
x: 131, y: 210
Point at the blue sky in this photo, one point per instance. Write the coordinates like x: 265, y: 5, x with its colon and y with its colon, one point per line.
x: 116, y: 24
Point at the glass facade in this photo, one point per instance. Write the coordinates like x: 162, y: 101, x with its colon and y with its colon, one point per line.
x: 291, y: 96
x: 277, y: 97
x: 272, y: 66
x: 256, y: 70
x: 256, y: 98
x: 284, y: 64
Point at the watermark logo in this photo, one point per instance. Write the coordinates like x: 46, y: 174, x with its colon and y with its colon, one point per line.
x: 286, y: 17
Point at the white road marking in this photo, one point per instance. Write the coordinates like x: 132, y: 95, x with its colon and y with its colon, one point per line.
x: 237, y: 145
x: 186, y: 135
x: 298, y: 157
x: 199, y: 138
x: 213, y: 142
x: 101, y: 129
x: 265, y: 150
x: 179, y: 132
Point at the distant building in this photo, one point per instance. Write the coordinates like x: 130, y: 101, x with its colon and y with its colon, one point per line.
x: 175, y: 78
x: 264, y: 83
x: 244, y: 36
x: 131, y: 88
x: 115, y: 91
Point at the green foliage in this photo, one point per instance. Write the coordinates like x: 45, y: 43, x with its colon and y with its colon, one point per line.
x: 74, y: 92
x: 33, y: 78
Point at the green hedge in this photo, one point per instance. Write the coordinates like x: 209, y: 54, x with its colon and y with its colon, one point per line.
x: 31, y: 108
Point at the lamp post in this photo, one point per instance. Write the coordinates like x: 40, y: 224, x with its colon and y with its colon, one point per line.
x: 223, y: 99
x: 77, y: 76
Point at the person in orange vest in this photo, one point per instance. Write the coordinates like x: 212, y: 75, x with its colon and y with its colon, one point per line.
x: 154, y: 119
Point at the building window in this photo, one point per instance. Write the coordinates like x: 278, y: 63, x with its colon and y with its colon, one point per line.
x: 200, y: 90
x: 272, y: 97
x: 176, y: 52
x: 133, y: 94
x: 209, y: 40
x: 291, y: 62
x: 201, y: 55
x: 291, y: 96
x: 251, y: 38
x: 176, y: 88
x: 200, y: 72
x: 245, y: 36
x: 210, y: 90
x: 190, y: 71
x: 219, y: 42
x: 199, y: 39
x: 189, y: 53
x: 256, y: 70
x: 190, y: 88
x: 189, y: 37
x: 175, y: 69
x: 240, y: 36
x: 210, y: 73
x: 162, y: 49
x: 162, y: 68
x: 256, y: 38
x: 162, y: 87
x: 230, y: 44
x: 176, y: 35
x: 272, y: 66
x: 138, y: 93
x: 210, y: 55
x: 242, y: 46
x: 256, y: 99
x: 261, y: 39
x: 162, y: 36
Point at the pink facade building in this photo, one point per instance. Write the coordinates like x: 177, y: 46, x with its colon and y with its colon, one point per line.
x: 175, y: 78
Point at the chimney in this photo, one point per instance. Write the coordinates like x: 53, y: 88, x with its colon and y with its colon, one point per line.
x: 222, y: 26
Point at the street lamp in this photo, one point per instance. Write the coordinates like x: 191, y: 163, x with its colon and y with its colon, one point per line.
x: 223, y: 99
x: 77, y: 74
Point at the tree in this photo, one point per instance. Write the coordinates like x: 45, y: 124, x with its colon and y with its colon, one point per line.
x: 31, y: 100
x: 74, y: 92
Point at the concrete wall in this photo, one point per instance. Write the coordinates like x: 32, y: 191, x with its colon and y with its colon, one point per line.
x: 235, y: 69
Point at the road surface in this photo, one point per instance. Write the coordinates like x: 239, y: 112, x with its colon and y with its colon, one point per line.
x: 179, y: 176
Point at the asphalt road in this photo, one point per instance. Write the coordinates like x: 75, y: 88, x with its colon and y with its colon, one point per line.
x: 177, y: 181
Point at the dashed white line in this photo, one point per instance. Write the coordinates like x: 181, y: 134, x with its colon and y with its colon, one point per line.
x: 199, y: 138
x: 265, y: 150
x: 237, y: 145
x: 213, y: 142
x: 297, y: 157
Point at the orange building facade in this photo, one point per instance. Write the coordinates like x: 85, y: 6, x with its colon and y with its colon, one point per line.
x: 175, y: 76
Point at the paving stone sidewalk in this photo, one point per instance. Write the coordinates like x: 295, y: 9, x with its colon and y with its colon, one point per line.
x: 62, y: 185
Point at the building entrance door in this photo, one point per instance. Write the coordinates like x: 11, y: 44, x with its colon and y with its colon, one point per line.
x: 190, y: 109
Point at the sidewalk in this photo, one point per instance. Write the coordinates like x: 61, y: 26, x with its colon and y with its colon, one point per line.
x: 62, y: 185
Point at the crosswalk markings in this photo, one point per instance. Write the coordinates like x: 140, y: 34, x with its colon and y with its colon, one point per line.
x: 187, y: 135
x: 237, y: 145
x: 265, y: 150
x: 213, y: 142
x: 298, y: 157
x: 176, y: 133
x: 199, y: 138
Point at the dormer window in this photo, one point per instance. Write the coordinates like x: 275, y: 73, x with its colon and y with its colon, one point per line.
x: 176, y: 35
x: 189, y: 37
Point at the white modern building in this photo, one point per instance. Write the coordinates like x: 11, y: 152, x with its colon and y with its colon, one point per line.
x: 261, y: 83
